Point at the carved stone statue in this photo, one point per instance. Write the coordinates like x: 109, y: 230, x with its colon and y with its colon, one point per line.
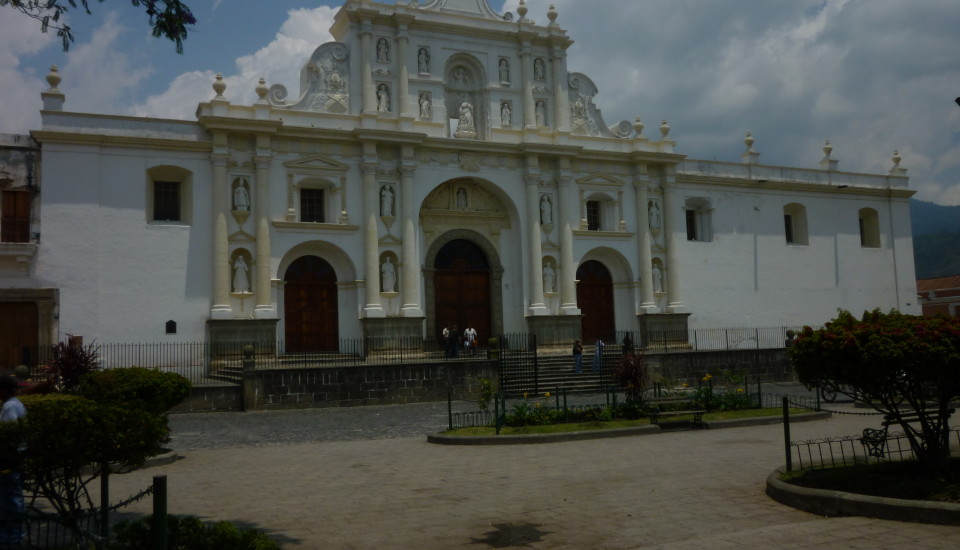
x: 426, y: 108
x: 423, y: 60
x: 460, y: 76
x: 383, y: 51
x: 654, y: 214
x: 461, y: 197
x: 506, y: 116
x: 657, y: 277
x: 539, y: 69
x: 388, y: 276
x: 465, y: 127
x: 541, y: 111
x: 383, y: 98
x: 241, y: 283
x: 546, y: 210
x: 504, y: 70
x: 549, y: 278
x: 386, y: 200
x: 241, y: 198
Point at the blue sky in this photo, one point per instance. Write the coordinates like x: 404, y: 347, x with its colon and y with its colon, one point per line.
x: 873, y: 76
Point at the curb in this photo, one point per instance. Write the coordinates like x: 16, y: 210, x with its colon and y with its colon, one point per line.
x: 825, y: 502
x: 531, y: 439
x: 765, y: 420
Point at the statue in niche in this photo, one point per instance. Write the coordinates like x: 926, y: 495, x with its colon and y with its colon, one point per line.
x: 426, y: 109
x: 461, y: 197
x: 388, y: 275
x: 383, y: 98
x: 241, y: 283
x: 546, y: 210
x: 504, y: 70
x: 506, y: 116
x: 241, y: 197
x: 383, y: 51
x: 386, y: 200
x: 654, y: 214
x: 539, y: 69
x: 579, y: 109
x: 657, y: 277
x: 541, y: 111
x: 465, y: 123
x: 460, y: 76
x: 549, y: 279
x: 423, y: 61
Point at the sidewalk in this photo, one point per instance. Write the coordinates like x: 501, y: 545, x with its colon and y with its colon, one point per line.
x: 366, y: 478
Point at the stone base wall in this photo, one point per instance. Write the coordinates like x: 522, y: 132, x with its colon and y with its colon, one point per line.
x: 212, y: 399
x: 771, y: 365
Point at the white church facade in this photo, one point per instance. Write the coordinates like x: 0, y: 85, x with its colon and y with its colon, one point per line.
x: 439, y: 164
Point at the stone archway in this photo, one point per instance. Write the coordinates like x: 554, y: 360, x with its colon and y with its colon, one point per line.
x: 310, y: 305
x: 495, y: 268
x: 466, y: 96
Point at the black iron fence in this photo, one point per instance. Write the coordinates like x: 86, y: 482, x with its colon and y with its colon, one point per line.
x: 837, y: 452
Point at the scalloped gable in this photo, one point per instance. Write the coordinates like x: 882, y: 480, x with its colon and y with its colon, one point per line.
x: 463, y: 7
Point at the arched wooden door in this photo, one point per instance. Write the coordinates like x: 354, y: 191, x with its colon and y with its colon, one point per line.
x: 595, y: 300
x: 461, y: 283
x: 310, y: 306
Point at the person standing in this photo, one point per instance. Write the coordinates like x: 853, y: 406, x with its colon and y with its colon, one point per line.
x: 11, y: 478
x: 453, y: 342
x: 470, y: 340
x: 598, y: 355
x: 578, y: 357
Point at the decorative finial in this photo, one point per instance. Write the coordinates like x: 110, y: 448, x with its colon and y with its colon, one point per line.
x: 664, y: 129
x: 262, y: 89
x: 748, y: 140
x: 827, y: 148
x: 638, y: 125
x: 219, y: 86
x: 896, y: 159
x: 53, y: 78
x: 552, y: 15
x: 522, y: 10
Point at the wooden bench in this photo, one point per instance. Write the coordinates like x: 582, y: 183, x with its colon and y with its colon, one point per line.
x: 875, y: 440
x: 656, y: 413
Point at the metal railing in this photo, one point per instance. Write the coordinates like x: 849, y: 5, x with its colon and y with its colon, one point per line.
x: 838, y: 452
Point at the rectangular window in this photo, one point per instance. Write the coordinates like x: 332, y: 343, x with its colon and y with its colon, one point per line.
x: 863, y: 233
x: 593, y: 215
x: 691, y: 225
x: 166, y: 201
x: 788, y: 228
x: 15, y: 225
x: 311, y: 205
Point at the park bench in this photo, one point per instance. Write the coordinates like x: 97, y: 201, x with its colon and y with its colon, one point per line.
x: 875, y: 440
x: 657, y: 413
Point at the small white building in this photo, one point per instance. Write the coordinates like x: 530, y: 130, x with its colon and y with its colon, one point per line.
x: 439, y: 164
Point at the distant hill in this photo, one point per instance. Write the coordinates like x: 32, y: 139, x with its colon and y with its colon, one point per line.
x: 936, y: 239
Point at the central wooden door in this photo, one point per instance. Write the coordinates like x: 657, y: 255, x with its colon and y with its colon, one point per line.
x: 310, y: 306
x: 595, y: 300
x: 19, y: 334
x: 461, y: 282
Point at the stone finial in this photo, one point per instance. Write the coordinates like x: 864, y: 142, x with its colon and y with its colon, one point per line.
x: 748, y: 141
x: 827, y: 148
x: 664, y: 129
x: 750, y: 156
x: 219, y: 86
x: 522, y: 11
x: 896, y: 170
x: 828, y: 162
x: 53, y: 79
x: 262, y: 90
x: 638, y: 126
x: 552, y: 15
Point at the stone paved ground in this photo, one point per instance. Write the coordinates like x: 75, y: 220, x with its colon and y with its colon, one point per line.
x: 366, y: 478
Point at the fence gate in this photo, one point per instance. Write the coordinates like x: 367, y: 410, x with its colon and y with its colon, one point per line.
x: 517, y: 364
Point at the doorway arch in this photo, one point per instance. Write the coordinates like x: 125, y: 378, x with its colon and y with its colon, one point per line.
x: 595, y: 299
x: 310, y: 306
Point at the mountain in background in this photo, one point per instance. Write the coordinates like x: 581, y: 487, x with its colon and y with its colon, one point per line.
x: 936, y: 239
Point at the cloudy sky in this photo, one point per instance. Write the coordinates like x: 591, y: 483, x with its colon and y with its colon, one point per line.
x: 873, y: 76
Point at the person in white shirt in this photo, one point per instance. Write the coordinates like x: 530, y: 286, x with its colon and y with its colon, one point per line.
x: 11, y: 479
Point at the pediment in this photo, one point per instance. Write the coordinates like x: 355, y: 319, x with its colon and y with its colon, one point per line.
x: 241, y: 237
x: 601, y: 179
x: 389, y: 239
x: 475, y: 8
x: 315, y: 164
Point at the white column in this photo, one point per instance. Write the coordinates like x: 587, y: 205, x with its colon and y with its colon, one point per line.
x: 404, y: 84
x: 647, y: 303
x: 673, y: 218
x: 566, y: 200
x: 366, y: 51
x: 561, y: 101
x: 371, y: 242
x: 410, y: 273
x: 221, y: 249
x: 537, y: 306
x: 526, y: 66
x: 264, y: 308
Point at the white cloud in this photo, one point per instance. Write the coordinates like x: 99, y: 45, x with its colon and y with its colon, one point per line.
x: 20, y: 87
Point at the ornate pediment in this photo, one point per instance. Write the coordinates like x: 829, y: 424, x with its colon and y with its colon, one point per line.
x: 315, y: 164
x: 477, y: 8
x: 601, y: 180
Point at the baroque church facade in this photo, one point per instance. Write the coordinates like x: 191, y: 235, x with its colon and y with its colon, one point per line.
x: 439, y: 164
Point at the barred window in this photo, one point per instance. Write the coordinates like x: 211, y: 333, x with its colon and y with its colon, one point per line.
x: 593, y: 215
x: 15, y: 226
x: 166, y: 201
x: 311, y: 205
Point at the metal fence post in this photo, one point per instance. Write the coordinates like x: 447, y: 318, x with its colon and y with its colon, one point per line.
x: 104, y: 503
x: 160, y: 513
x: 450, y: 409
x: 786, y: 433
x: 759, y: 395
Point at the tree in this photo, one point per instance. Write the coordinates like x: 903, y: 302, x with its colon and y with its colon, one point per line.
x: 897, y: 364
x: 631, y: 374
x: 169, y: 18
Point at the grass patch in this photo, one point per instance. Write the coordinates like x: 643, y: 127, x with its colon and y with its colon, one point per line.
x: 584, y: 426
x: 905, y: 480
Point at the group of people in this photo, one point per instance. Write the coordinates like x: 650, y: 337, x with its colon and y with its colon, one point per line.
x: 453, y: 341
x: 598, y: 346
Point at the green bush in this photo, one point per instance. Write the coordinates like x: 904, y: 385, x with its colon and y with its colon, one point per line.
x: 189, y: 533
x: 71, y: 362
x: 137, y: 388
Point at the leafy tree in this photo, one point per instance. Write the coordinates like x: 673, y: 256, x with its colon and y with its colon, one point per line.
x: 896, y: 363
x: 169, y: 18
x: 71, y: 361
x: 631, y: 374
